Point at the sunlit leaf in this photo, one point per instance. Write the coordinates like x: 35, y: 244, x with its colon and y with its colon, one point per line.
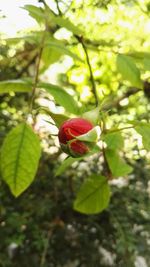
x: 146, y: 63
x: 93, y: 196
x: 60, y: 47
x: 14, y: 86
x: 144, y: 130
x: 20, y: 155
x: 35, y: 12
x: 129, y: 71
x: 61, y: 97
x: 50, y: 56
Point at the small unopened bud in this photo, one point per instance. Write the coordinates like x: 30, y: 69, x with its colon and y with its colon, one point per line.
x: 77, y: 136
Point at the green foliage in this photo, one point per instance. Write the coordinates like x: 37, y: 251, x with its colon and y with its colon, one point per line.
x: 14, y: 86
x: 114, y: 140
x: 93, y: 196
x: 129, y: 71
x: 61, y: 48
x: 20, y: 155
x: 92, y: 33
x: 35, y: 12
x: 61, y: 97
x: 116, y: 164
x: 144, y: 130
x: 49, y: 56
x: 92, y: 115
x: 66, y: 23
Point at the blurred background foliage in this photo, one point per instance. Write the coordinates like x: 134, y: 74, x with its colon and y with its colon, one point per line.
x: 40, y: 227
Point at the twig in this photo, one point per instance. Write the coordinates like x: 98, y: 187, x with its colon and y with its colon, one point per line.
x: 107, y: 171
x: 80, y: 39
x: 36, y: 74
x: 44, y: 254
x: 58, y: 8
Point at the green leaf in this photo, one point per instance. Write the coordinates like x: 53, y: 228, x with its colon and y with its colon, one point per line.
x: 20, y: 155
x: 144, y: 130
x: 146, y: 63
x: 116, y: 164
x: 50, y: 56
x: 61, y: 97
x: 40, y: 16
x: 66, y: 23
x: 139, y: 54
x: 14, y: 86
x: 35, y: 12
x: 91, y: 136
x: 114, y: 140
x: 60, y: 47
x: 129, y: 71
x: 92, y: 115
x: 93, y: 196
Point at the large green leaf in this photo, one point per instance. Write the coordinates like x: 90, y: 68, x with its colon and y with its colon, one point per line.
x: 116, y: 164
x: 114, y: 140
x: 14, y: 86
x: 129, y: 71
x: 142, y: 58
x: 60, y: 47
x: 20, y: 155
x: 40, y: 16
x: 61, y: 97
x: 93, y: 196
x: 144, y: 130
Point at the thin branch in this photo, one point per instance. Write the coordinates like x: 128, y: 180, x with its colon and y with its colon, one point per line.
x: 36, y: 74
x: 44, y: 254
x: 107, y: 171
x: 80, y: 39
x: 58, y: 8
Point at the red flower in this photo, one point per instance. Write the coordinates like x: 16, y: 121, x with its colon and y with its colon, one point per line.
x: 68, y: 131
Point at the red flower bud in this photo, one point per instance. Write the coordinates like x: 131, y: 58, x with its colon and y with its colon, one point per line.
x: 68, y: 131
